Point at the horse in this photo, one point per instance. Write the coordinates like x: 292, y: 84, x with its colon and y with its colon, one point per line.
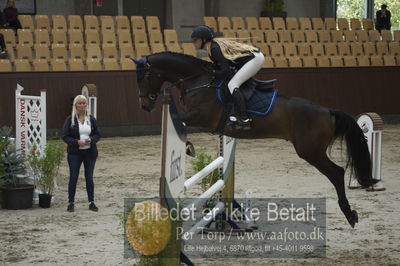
x: 311, y: 128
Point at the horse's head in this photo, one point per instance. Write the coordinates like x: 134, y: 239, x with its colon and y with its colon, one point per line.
x: 149, y: 84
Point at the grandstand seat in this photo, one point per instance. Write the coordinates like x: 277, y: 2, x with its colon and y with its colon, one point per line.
x: 268, y: 63
x: 111, y: 64
x: 337, y: 36
x: 350, y: 35
x: 343, y: 24
x: 244, y: 36
x: 363, y: 60
x: 323, y: 61
x: 188, y: 48
x: 279, y: 23
x: 271, y: 36
x: 343, y: 49
x: 142, y: 51
x: 284, y: 36
x: 280, y: 61
x: 75, y: 22
x: 292, y: 23
x: 331, y: 49
x: 324, y: 36
x: 229, y: 34
x: 257, y: 37
x: 264, y: 48
x: 59, y: 22
x: 126, y: 52
x: 305, y: 24
x: 92, y: 37
x: 290, y: 49
x: 362, y: 36
x: 140, y: 38
x: 295, y: 62
x: 22, y: 65
x: 276, y: 50
x: 386, y: 36
x: 170, y: 36
x: 122, y: 23
x: 376, y: 60
x: 59, y: 37
x: 110, y: 51
x: 127, y: 64
x: 309, y: 61
x: 109, y: 37
x: 157, y: 48
x: 265, y: 23
x: 336, y: 61
x: 298, y: 36
x: 367, y: 24
x: 124, y: 37
x: 174, y: 47
x: 311, y: 36
x: 304, y: 49
x: 107, y: 23
x: 25, y: 37
x: 153, y: 23
x: 59, y: 52
x: 42, y: 52
x: 94, y: 64
x: 394, y: 48
x: 24, y: 52
x: 398, y: 60
x: 91, y: 23
x: 396, y: 35
x: 330, y: 24
x: 355, y: 24
x: 94, y: 52
x: 224, y: 24
x: 211, y: 22
x: 77, y: 51
x: 42, y: 22
x: 238, y: 23
x: 76, y: 64
x: 40, y: 65
x: 5, y: 65
x: 26, y: 22
x: 350, y: 61
x: 9, y: 37
x: 42, y: 36
x: 369, y: 48
x: 374, y: 36
x: 252, y: 23
x: 317, y: 49
x: 76, y: 37
x: 137, y: 23
x: 382, y: 48
x: 318, y: 24
x: 155, y: 37
x: 356, y: 49
x: 389, y: 60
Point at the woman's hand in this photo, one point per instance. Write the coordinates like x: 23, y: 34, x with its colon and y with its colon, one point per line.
x: 88, y: 141
x: 81, y: 143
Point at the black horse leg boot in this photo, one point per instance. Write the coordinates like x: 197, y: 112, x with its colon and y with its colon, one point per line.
x: 242, y: 121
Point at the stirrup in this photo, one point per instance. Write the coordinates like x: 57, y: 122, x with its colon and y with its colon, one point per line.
x: 239, y: 123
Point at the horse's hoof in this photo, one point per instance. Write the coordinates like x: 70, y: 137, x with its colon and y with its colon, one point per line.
x: 190, y: 149
x: 353, y: 219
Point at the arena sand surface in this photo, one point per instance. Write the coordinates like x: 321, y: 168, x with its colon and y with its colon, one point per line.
x: 130, y: 167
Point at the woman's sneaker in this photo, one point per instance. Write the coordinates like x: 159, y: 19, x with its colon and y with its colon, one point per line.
x: 70, y: 207
x: 93, y: 207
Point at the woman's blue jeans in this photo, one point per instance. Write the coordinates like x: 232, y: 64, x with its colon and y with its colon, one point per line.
x: 75, y: 161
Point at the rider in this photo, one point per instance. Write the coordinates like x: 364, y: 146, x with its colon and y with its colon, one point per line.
x: 228, y: 54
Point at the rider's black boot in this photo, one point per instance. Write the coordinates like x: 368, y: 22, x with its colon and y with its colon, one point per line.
x: 242, y: 120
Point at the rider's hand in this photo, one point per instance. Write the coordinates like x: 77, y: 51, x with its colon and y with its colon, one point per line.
x: 81, y: 143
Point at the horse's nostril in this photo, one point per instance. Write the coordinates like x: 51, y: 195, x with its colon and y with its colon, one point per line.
x: 145, y: 108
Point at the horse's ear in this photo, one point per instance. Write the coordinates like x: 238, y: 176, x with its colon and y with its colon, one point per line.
x: 137, y: 62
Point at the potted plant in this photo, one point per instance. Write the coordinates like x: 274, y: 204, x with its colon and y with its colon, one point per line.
x: 45, y: 168
x: 274, y: 8
x: 16, y: 193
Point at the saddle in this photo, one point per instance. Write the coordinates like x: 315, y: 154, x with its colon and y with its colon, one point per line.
x: 249, y: 87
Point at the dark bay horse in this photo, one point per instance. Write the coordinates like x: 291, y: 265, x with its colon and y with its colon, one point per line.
x: 311, y: 128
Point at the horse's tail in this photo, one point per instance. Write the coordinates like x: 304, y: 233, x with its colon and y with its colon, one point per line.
x: 358, y: 156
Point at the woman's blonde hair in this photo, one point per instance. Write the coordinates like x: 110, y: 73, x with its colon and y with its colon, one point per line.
x: 75, y: 112
x: 232, y: 49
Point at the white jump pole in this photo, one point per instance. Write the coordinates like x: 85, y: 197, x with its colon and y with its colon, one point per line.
x: 204, y: 172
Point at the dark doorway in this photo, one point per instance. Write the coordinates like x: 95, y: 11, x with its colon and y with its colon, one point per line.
x: 145, y: 8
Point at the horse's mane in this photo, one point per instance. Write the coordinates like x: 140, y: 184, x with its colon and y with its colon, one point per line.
x: 188, y: 58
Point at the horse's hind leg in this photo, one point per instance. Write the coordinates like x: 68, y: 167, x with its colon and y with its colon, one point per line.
x: 335, y: 174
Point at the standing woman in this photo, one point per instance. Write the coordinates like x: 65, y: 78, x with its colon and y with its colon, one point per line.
x: 81, y: 133
x: 11, y: 13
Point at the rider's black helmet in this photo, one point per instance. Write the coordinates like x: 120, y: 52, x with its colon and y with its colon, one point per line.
x: 202, y: 32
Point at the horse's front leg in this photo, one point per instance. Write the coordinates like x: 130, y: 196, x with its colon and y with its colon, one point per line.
x: 189, y: 119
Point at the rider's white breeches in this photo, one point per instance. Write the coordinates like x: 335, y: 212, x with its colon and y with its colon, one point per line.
x: 247, y: 71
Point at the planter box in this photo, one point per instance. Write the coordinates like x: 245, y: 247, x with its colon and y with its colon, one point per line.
x: 16, y: 198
